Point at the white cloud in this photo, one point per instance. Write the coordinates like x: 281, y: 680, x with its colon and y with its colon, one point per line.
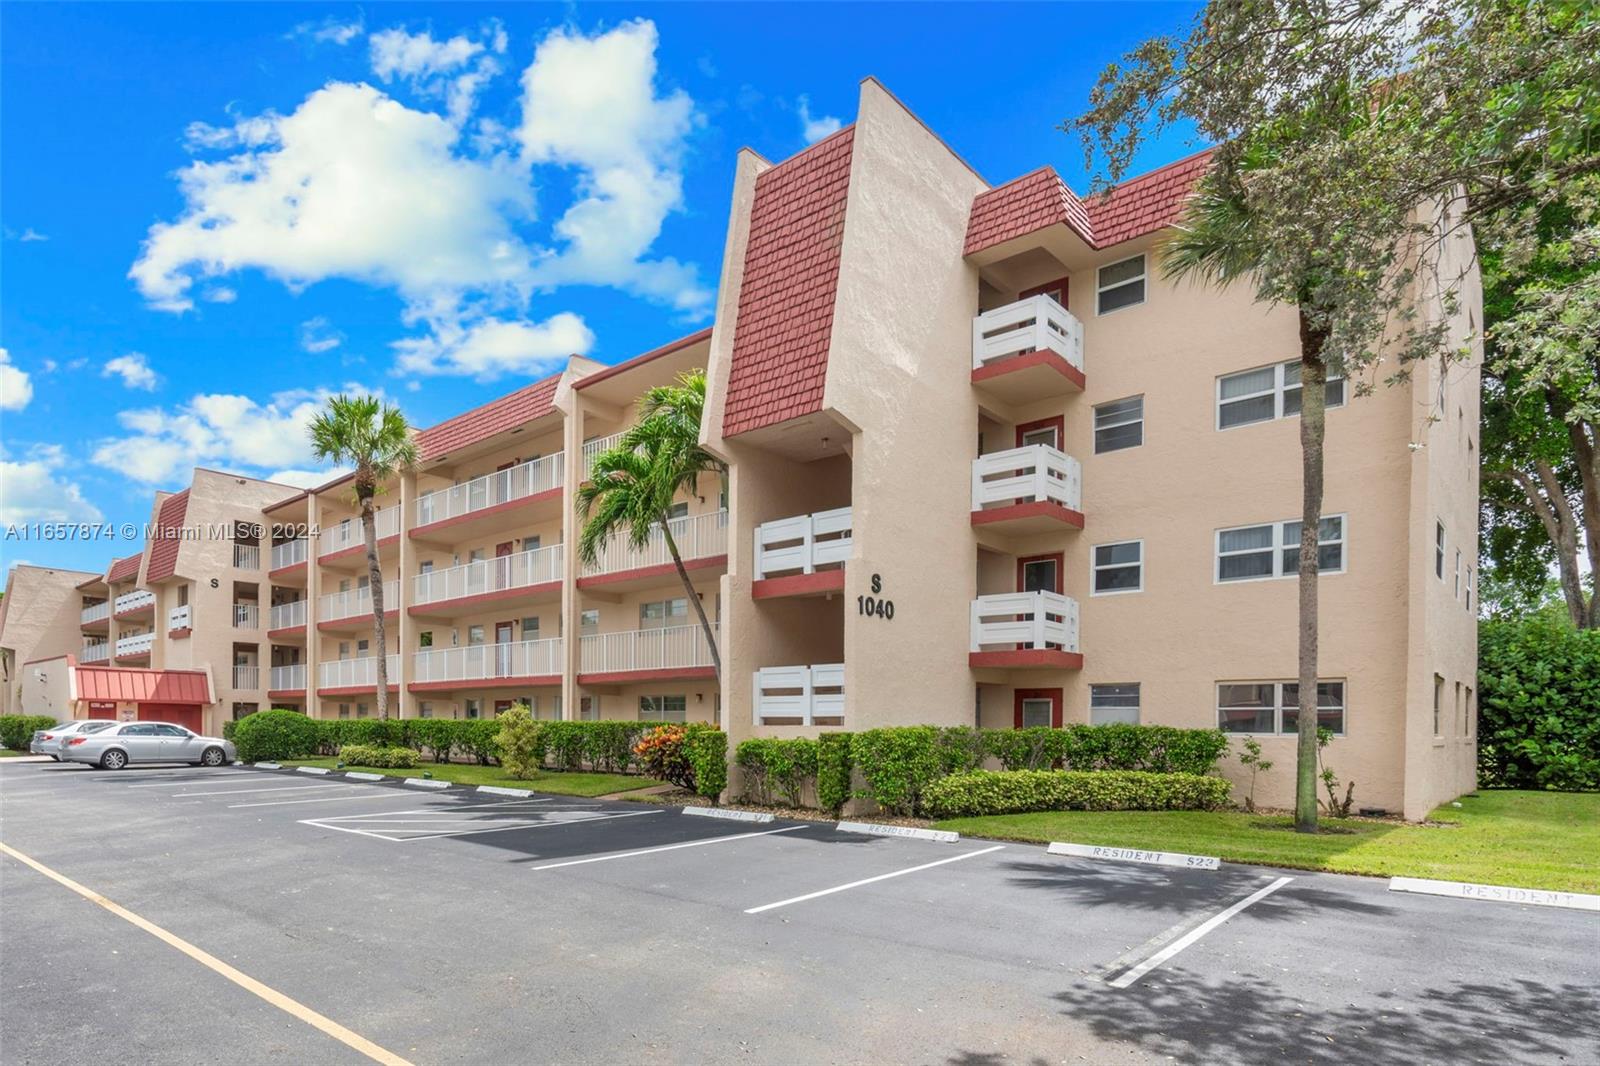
x: 16, y: 388
x: 329, y: 29
x: 27, y: 236
x: 814, y: 128
x: 133, y: 369
x: 31, y: 491
x: 492, y: 347
x: 453, y: 70
x: 317, y: 335
x: 247, y: 131
x: 305, y: 479
x: 219, y: 294
x: 50, y: 365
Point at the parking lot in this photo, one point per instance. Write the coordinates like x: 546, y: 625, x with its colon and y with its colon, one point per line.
x: 372, y: 921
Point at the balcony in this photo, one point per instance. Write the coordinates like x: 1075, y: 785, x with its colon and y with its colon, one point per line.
x: 289, y: 553
x: 668, y: 653
x: 291, y: 678
x: 702, y: 542
x: 347, y: 535
x: 1025, y: 629
x: 247, y: 677
x: 95, y: 653
x: 356, y: 673
x: 487, y: 665
x: 98, y: 612
x: 136, y: 646
x: 246, y: 557
x: 491, y: 494
x: 355, y: 605
x: 180, y: 618
x: 1033, y: 489
x: 514, y: 577
x: 1028, y: 350
x: 800, y: 695
x: 592, y: 448
x: 803, y: 555
x: 136, y: 602
x: 246, y: 616
x: 291, y: 615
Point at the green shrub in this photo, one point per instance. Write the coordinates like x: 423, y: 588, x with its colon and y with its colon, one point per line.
x: 16, y: 730
x: 479, y: 737
x: 276, y: 735
x: 383, y: 757
x: 706, y: 749
x: 961, y: 748
x: 568, y: 743
x: 608, y: 746
x: 835, y: 769
x: 1154, y: 748
x: 228, y: 728
x: 661, y: 754
x: 435, y: 736
x: 777, y: 770
x: 1538, y: 705
x: 1035, y: 748
x: 897, y: 764
x: 520, y: 741
x: 986, y: 792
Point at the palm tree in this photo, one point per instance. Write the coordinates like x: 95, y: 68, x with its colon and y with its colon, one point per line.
x: 632, y: 486
x: 374, y: 438
x: 1216, y: 243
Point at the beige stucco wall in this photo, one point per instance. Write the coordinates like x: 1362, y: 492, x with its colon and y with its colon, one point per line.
x: 39, y: 619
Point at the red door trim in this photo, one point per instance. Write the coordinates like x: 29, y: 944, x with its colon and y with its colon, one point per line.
x: 1059, y: 422
x: 1051, y: 694
x: 1053, y: 287
x: 1060, y: 561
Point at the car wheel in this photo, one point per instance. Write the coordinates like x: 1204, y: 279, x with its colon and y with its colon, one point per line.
x: 114, y: 759
x: 212, y: 757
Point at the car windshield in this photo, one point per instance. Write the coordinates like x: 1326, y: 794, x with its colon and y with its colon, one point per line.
x: 95, y: 727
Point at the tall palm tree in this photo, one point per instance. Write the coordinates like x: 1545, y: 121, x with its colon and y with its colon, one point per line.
x: 373, y: 437
x: 1216, y: 243
x: 632, y: 486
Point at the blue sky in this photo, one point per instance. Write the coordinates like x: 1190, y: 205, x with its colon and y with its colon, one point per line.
x: 214, y: 214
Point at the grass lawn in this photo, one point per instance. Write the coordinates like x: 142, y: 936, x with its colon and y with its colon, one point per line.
x: 1544, y: 840
x: 7, y: 753
x: 566, y: 784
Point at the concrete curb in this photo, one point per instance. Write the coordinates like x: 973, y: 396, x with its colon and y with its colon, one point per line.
x: 358, y: 775
x: 942, y: 836
x: 1149, y: 858
x: 312, y: 770
x: 735, y: 816
x: 267, y: 765
x: 499, y: 790
x: 1532, y: 897
x: 424, y: 782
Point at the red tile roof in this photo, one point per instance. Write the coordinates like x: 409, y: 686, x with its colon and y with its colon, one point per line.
x: 142, y: 686
x: 164, y: 546
x: 496, y: 416
x: 791, y: 274
x: 639, y: 360
x: 1138, y: 206
x: 126, y: 568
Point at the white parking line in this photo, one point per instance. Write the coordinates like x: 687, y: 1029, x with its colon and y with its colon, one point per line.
x: 168, y: 782
x: 242, y: 791
x: 1195, y: 934
x: 345, y: 796
x: 871, y: 880
x: 671, y: 847
x: 370, y: 829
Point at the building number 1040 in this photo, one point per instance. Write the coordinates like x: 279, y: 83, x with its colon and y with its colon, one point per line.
x: 875, y: 606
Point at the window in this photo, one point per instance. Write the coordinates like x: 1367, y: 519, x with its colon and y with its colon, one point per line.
x: 1266, y: 393
x: 1250, y: 553
x: 424, y: 709
x: 1118, y: 567
x: 1119, y: 424
x: 530, y: 544
x: 1469, y: 590
x: 1438, y: 702
x: 1458, y: 574
x: 1438, y: 550
x: 1468, y: 715
x: 678, y: 510
x: 1112, y: 704
x: 1120, y: 285
x: 344, y: 710
x: 425, y: 639
x: 1039, y: 574
x: 1036, y: 712
x: 361, y: 710
x: 663, y: 708
x: 1036, y: 707
x: 474, y: 635
x: 589, y: 622
x: 1460, y: 714
x: 660, y: 613
x: 589, y: 709
x: 473, y: 708
x: 1273, y: 707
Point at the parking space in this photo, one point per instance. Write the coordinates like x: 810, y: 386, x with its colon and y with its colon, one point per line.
x: 418, y: 917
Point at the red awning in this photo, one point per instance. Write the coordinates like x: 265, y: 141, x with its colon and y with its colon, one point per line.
x: 131, y: 684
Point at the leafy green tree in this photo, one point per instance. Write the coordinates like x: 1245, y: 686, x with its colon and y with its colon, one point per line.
x: 632, y: 486
x: 372, y: 437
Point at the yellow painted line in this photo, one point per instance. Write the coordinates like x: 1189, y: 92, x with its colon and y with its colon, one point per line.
x: 211, y: 962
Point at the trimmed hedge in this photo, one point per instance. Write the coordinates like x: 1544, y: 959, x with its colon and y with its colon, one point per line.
x: 984, y: 792
x: 706, y: 748
x: 384, y: 758
x: 835, y: 770
x: 1538, y: 705
x: 1158, y: 749
x: 16, y: 730
x: 276, y: 735
x: 775, y: 771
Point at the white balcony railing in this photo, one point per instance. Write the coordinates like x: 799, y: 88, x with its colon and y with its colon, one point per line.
x: 137, y: 600
x: 1036, y: 620
x: 528, y: 658
x: 490, y: 490
x: 288, y: 553
x: 697, y: 536
x: 514, y: 571
x: 96, y: 612
x: 669, y: 648
x: 592, y: 448
x: 356, y: 673
x: 346, y: 533
x: 246, y: 557
x: 1036, y: 472
x: 246, y: 616
x: 800, y: 695
x: 138, y: 644
x: 353, y: 603
x: 180, y: 617
x: 289, y: 615
x: 803, y: 543
x: 1037, y: 323
x: 247, y: 677
x: 291, y: 678
x: 95, y: 653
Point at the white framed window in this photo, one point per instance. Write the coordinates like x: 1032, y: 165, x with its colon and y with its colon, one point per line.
x: 1119, y: 424
x: 589, y: 709
x: 1119, y: 285
x: 1438, y: 706
x: 1117, y: 568
x: 1114, y: 704
x: 1272, y: 708
x: 589, y: 622
x: 530, y: 627
x: 1037, y: 711
x: 1266, y: 393
x: 657, y: 614
x: 1469, y: 715
x: 1272, y: 549
x: 473, y: 708
x: 1438, y: 550
x: 663, y: 708
x: 1469, y: 590
x: 424, y: 709
x: 1458, y: 574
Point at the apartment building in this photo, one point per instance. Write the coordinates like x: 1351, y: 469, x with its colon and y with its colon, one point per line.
x: 986, y: 467
x: 39, y: 618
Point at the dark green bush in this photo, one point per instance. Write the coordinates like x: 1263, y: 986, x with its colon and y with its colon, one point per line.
x: 706, y: 749
x: 520, y: 741
x: 985, y: 792
x: 383, y: 757
x: 480, y: 738
x: 276, y: 735
x: 567, y: 743
x: 776, y: 771
x: 16, y: 730
x: 1538, y: 705
x: 1154, y: 748
x: 835, y: 769
x: 1035, y: 748
x: 897, y: 764
x: 435, y: 736
x: 228, y: 727
x: 961, y: 748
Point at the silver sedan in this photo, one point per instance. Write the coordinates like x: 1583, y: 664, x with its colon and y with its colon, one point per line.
x: 147, y: 742
x: 49, y: 741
